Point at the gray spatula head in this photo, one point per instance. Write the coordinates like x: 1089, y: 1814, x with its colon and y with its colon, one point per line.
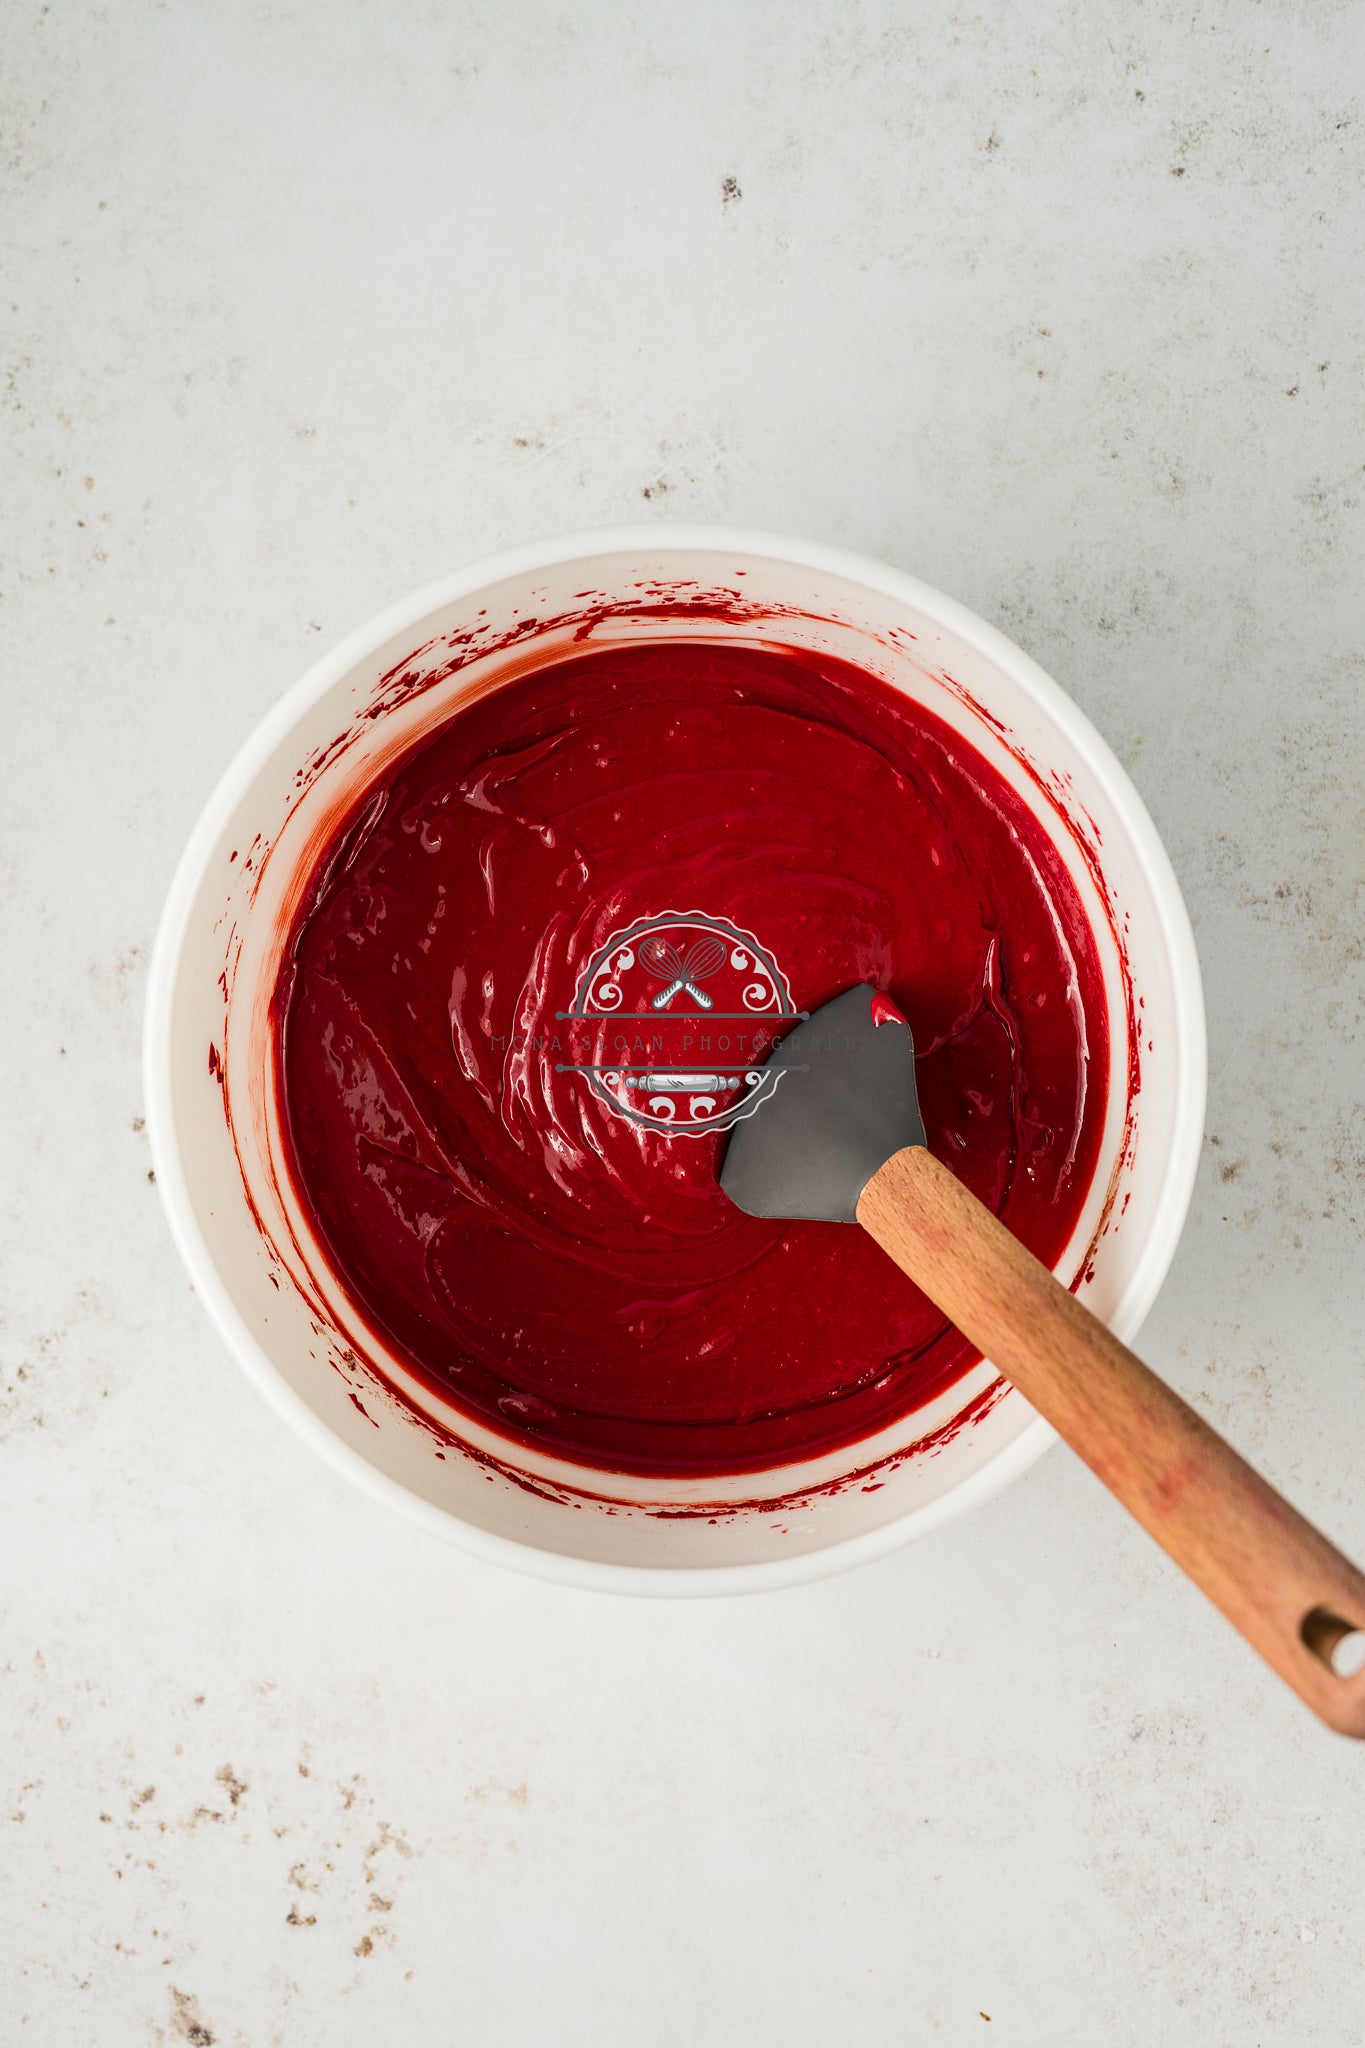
x: 846, y: 1103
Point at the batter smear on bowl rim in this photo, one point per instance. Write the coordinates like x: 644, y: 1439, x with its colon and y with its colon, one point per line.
x: 534, y: 976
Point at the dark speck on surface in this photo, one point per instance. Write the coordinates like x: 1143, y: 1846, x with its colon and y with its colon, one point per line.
x: 231, y: 1783
x: 188, y: 2022
x: 729, y: 191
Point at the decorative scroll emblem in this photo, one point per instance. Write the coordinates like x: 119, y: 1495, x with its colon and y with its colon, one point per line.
x: 673, y: 1019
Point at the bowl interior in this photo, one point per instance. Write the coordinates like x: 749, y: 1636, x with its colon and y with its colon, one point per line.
x: 209, y: 1054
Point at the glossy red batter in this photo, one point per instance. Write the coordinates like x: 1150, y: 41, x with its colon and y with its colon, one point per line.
x: 553, y: 1268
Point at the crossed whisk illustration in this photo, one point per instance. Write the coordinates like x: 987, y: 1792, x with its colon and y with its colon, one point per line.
x: 682, y: 971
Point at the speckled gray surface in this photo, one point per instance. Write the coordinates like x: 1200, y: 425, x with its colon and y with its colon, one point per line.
x: 302, y: 306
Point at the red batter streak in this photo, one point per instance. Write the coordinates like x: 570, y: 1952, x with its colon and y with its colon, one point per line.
x: 546, y: 1264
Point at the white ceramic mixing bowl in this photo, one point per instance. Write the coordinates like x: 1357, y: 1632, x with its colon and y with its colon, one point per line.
x: 209, y: 1099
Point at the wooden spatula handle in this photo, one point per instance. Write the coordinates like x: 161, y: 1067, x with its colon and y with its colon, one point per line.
x: 1294, y: 1597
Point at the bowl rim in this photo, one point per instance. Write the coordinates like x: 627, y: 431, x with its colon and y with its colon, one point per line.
x: 365, y: 640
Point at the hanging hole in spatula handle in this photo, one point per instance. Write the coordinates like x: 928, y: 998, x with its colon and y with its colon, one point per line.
x: 1338, y: 1644
x: 1291, y: 1592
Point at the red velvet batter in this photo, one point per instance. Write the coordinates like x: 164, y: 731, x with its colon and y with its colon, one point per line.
x: 553, y: 1268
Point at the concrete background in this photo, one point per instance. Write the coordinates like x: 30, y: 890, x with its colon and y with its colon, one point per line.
x: 1056, y: 305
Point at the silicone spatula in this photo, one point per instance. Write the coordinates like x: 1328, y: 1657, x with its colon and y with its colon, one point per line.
x: 841, y: 1140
